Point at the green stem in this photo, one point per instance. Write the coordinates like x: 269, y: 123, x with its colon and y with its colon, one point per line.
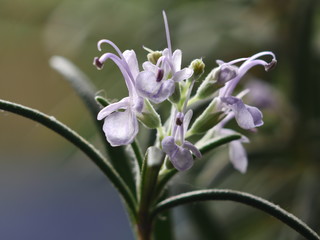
x: 73, y: 137
x: 193, y: 100
x: 164, y: 177
x: 149, y: 175
x: 245, y: 198
x: 137, y: 152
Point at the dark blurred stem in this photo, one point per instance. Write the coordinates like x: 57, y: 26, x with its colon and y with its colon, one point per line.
x: 245, y: 198
x: 73, y: 137
x: 300, y: 51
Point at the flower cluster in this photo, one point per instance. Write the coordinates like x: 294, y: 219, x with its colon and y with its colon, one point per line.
x: 162, y: 78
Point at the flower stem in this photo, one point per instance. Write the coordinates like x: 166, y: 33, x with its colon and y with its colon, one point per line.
x: 137, y: 152
x: 242, y: 197
x: 149, y: 175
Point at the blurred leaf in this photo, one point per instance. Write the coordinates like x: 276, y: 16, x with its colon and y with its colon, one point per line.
x: 207, y: 225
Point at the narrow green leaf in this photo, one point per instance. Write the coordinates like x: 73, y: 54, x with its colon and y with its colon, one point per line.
x: 206, y: 224
x: 163, y: 226
x: 86, y: 91
x: 242, y: 197
x: 164, y: 178
x: 73, y: 137
x: 102, y: 101
x: 216, y: 142
x: 78, y: 80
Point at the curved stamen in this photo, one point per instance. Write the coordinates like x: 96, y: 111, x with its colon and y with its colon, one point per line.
x: 111, y: 44
x: 166, y: 25
x: 122, y: 68
x: 248, y: 64
x: 242, y: 71
x: 119, y: 53
x: 219, y: 62
x: 257, y: 55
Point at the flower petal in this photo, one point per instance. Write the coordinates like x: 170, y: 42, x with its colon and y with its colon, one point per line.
x: 131, y: 59
x: 113, y: 107
x: 188, y: 145
x: 256, y: 115
x: 121, y: 128
x: 148, y: 66
x: 137, y: 103
x: 176, y: 59
x: 182, y: 74
x: 164, y: 92
x: 238, y: 156
x: 166, y: 53
x: 186, y: 120
x: 169, y: 146
x: 146, y: 84
x: 247, y: 117
x: 182, y: 160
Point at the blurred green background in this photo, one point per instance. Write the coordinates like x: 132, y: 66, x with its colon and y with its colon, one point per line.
x: 49, y: 190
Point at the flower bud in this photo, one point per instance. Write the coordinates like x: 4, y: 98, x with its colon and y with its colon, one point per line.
x: 216, y: 79
x: 149, y: 117
x: 197, y: 66
x: 154, y: 56
x: 208, y: 119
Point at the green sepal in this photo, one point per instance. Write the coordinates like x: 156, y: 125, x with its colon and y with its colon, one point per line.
x: 208, y: 119
x: 149, y: 117
x: 210, y: 85
x: 175, y: 97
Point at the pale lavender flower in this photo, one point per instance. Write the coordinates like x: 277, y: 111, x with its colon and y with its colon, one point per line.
x: 121, y: 127
x: 176, y: 147
x: 157, y: 81
x: 237, y: 153
x: 247, y: 117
